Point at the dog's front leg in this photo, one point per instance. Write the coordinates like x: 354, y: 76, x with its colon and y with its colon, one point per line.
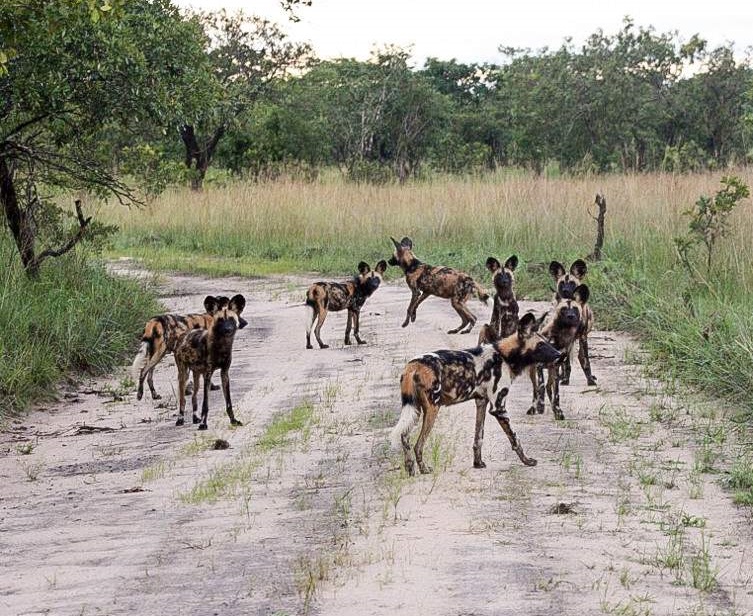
x: 411, y: 307
x: 349, y: 326
x: 478, y: 439
x: 500, y: 413
x: 205, y: 402
x: 357, y: 326
x: 585, y: 360
x: 225, y: 379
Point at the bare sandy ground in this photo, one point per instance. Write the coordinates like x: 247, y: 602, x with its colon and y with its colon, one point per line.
x: 107, y: 508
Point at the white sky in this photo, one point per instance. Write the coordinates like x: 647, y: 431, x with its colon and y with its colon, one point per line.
x: 472, y: 30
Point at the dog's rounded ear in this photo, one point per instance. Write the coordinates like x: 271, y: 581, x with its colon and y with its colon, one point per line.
x: 579, y: 268
x: 363, y: 268
x: 395, y: 242
x: 406, y: 242
x: 492, y: 264
x: 581, y: 293
x: 512, y: 263
x: 381, y: 267
x: 211, y: 304
x: 556, y: 269
x: 237, y: 303
x: 527, y: 325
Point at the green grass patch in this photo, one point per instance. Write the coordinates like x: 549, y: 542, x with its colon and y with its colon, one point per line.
x: 224, y: 480
x: 741, y: 480
x: 279, y: 430
x: 74, y: 318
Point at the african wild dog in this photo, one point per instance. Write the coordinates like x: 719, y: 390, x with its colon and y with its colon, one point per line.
x: 161, y: 336
x: 322, y: 297
x: 444, y: 378
x: 561, y: 330
x: 504, y: 320
x: 202, y: 351
x: 427, y: 280
x: 565, y: 285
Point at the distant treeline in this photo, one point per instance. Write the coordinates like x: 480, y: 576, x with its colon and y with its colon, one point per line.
x: 140, y: 90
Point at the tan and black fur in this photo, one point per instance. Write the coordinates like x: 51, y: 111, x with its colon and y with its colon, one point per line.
x: 161, y: 336
x: 426, y: 280
x: 565, y: 284
x: 483, y: 374
x: 561, y: 329
x: 324, y: 297
x: 504, y: 320
x: 202, y: 351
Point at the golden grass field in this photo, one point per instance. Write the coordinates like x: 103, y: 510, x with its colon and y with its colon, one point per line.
x: 330, y: 225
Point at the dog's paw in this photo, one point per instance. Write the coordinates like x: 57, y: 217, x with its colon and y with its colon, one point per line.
x: 479, y: 464
x: 236, y: 422
x: 180, y: 421
x: 202, y: 426
x: 196, y: 419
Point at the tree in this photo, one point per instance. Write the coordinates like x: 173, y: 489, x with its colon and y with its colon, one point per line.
x: 73, y: 73
x: 246, y: 55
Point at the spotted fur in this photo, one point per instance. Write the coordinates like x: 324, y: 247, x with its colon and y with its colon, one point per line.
x: 565, y: 284
x: 561, y: 330
x: 202, y: 351
x: 426, y: 280
x: 161, y: 336
x: 504, y: 319
x: 483, y: 374
x: 324, y: 297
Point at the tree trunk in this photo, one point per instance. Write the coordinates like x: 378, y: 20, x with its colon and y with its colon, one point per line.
x: 19, y: 222
x: 198, y: 156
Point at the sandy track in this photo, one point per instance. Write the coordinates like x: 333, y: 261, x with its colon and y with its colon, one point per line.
x: 327, y: 523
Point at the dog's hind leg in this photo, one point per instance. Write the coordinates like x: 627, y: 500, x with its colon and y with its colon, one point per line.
x: 463, y: 312
x: 585, y: 360
x: 182, y: 378
x: 478, y: 438
x: 430, y: 414
x: 147, y: 371
x: 321, y: 315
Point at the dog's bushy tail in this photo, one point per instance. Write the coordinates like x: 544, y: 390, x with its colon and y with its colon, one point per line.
x: 483, y: 296
x: 141, y: 358
x: 410, y: 413
x: 310, y: 312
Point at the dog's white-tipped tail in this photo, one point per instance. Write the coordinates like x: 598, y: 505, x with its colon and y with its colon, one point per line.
x: 139, y: 360
x: 483, y: 296
x: 408, y: 419
x: 310, y: 317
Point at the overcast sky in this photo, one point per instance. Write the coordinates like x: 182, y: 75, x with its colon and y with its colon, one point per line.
x: 472, y: 30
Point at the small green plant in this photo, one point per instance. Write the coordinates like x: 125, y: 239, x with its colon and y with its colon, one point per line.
x: 709, y: 221
x: 741, y: 480
x: 26, y: 448
x: 703, y: 574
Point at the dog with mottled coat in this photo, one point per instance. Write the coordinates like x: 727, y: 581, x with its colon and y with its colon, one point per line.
x: 483, y: 374
x: 201, y: 352
x: 426, y: 280
x: 162, y: 334
x: 324, y: 297
x: 565, y: 284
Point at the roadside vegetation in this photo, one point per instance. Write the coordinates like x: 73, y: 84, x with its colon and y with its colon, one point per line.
x: 75, y: 318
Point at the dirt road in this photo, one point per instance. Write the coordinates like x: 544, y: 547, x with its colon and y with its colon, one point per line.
x: 107, y: 508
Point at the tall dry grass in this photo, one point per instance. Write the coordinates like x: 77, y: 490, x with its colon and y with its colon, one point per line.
x: 329, y: 227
